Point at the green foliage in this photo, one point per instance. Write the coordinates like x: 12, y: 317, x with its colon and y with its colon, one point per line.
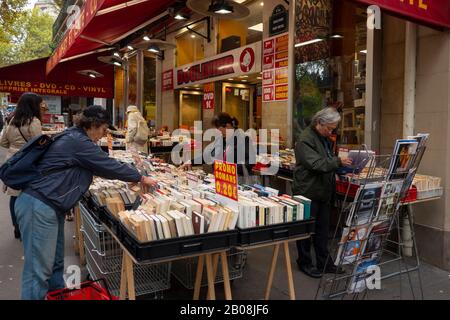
x: 29, y: 38
x: 10, y: 11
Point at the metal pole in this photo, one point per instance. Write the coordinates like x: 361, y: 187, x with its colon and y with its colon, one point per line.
x: 409, y: 107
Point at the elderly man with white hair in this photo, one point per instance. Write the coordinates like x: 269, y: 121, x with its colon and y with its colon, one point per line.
x: 137, y: 131
x: 314, y: 178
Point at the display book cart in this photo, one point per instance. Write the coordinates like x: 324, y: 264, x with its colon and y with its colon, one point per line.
x: 206, y: 248
x: 369, y: 214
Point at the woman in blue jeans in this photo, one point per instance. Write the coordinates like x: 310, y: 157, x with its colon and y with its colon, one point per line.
x: 67, y: 169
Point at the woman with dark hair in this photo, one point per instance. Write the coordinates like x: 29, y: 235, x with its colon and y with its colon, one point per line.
x: 24, y: 125
x: 237, y: 148
x: 67, y: 168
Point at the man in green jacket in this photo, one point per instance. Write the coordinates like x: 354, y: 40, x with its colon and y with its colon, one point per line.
x: 314, y: 178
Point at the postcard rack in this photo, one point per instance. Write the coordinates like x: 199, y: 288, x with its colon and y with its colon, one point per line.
x: 369, y: 222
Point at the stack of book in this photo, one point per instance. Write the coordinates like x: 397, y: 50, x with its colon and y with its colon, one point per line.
x: 264, y: 211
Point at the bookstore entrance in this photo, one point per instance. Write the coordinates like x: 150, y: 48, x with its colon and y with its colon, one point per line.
x: 240, y: 100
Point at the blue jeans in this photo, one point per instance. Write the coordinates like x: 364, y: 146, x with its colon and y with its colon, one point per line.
x: 43, y: 243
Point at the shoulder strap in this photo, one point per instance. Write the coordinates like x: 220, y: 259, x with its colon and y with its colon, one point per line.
x: 26, y: 140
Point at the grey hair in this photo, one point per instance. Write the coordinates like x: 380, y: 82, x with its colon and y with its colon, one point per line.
x: 326, y: 116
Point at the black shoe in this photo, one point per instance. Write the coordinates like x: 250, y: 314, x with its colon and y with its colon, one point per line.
x: 333, y: 269
x: 16, y: 233
x: 310, y: 271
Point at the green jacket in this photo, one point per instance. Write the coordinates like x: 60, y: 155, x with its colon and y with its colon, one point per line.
x: 314, y: 173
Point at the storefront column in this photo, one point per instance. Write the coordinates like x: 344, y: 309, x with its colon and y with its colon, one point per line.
x: 159, y: 93
x: 410, y: 79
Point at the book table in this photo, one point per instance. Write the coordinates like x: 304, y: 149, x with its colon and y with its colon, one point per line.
x: 208, y: 259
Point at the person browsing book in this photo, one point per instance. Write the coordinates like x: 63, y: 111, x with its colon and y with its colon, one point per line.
x: 67, y: 168
x: 314, y: 178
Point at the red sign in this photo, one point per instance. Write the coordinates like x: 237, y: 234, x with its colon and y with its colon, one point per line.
x: 210, y: 69
x: 275, y: 66
x: 208, y: 96
x: 247, y: 59
x: 268, y: 62
x: 268, y: 93
x: 226, y: 178
x: 88, y: 12
x: 167, y: 80
x: 435, y: 12
x: 268, y: 47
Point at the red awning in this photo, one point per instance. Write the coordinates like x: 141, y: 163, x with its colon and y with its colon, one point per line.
x: 431, y: 12
x: 103, y: 23
x: 63, y: 81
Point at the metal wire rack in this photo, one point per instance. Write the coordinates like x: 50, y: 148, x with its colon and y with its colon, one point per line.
x: 185, y: 270
x: 104, y: 260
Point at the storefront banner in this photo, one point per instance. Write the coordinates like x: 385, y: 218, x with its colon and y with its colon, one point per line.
x: 276, y: 70
x: 86, y: 14
x: 54, y: 89
x: 167, y: 80
x: 435, y: 12
x: 234, y: 63
x: 208, y: 96
x: 226, y: 179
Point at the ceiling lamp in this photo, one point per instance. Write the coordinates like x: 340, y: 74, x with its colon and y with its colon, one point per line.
x: 90, y: 73
x: 220, y: 7
x: 154, y: 49
x: 146, y: 38
x: 130, y: 47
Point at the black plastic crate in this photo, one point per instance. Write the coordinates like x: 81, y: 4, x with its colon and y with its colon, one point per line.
x: 275, y: 232
x: 175, y: 247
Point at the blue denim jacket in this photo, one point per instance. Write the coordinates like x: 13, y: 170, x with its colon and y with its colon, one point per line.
x: 83, y: 159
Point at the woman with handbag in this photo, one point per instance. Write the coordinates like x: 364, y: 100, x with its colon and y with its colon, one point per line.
x: 23, y: 126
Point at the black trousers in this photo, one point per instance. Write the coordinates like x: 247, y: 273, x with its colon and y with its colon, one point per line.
x: 321, y: 212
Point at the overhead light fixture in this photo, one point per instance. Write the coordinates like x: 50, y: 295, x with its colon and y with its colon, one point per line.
x: 130, y: 47
x: 364, y: 51
x: 221, y: 7
x: 336, y: 36
x: 259, y: 78
x: 180, y: 16
x: 92, y: 75
x: 116, y: 54
x: 262, y: 4
x: 243, y: 77
x: 257, y: 27
x: 230, y: 79
x: 146, y: 38
x: 117, y: 63
x: 240, y: 1
x: 154, y: 49
x: 301, y: 44
x: 192, y: 36
x: 244, y: 80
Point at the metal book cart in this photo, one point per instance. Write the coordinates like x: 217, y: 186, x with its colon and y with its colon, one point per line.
x: 104, y: 260
x: 369, y: 220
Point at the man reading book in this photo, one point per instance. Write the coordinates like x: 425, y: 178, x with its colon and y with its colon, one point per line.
x: 314, y: 178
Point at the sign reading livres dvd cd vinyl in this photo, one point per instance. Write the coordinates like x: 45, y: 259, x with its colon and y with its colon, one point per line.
x: 226, y: 178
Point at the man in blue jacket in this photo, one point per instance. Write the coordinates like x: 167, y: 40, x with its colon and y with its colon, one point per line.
x: 70, y: 164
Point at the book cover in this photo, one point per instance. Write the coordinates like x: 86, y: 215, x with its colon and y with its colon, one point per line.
x: 198, y: 222
x: 351, y: 244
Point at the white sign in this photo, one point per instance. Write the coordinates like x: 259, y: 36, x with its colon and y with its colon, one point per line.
x: 233, y: 63
x: 53, y: 103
